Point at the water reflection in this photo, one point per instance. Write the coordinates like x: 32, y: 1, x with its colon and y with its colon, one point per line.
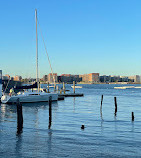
x: 132, y: 129
x: 101, y: 114
x: 18, y: 146
x: 115, y: 136
x: 49, y: 142
x: 6, y: 111
x: 74, y: 104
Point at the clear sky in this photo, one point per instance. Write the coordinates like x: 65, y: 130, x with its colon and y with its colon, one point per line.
x: 82, y: 36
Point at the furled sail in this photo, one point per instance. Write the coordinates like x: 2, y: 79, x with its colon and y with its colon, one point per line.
x: 27, y: 87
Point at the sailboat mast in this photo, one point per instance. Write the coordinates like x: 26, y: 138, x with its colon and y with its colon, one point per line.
x: 37, y: 78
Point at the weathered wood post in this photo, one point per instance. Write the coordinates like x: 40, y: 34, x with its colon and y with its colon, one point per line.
x: 19, y: 116
x: 101, y: 106
x: 50, y: 111
x: 61, y: 91
x: 54, y: 87
x: 57, y: 88
x: 132, y: 116
x: 101, y: 102
x: 82, y: 127
x: 39, y: 86
x: 64, y: 87
x: 73, y: 86
x: 115, y: 99
x: 48, y: 87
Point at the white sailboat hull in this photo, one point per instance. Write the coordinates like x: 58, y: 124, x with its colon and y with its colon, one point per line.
x: 29, y: 98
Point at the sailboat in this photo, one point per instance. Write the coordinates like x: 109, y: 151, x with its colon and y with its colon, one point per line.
x: 30, y: 95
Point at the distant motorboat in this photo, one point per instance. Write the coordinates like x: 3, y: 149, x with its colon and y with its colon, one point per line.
x: 119, y: 88
x: 125, y: 87
x: 76, y: 86
x: 51, y: 86
x: 137, y: 87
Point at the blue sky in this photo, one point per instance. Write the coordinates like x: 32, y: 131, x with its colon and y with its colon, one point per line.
x: 82, y: 36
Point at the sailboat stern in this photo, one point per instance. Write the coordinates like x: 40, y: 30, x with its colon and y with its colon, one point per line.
x: 54, y: 96
x: 5, y: 99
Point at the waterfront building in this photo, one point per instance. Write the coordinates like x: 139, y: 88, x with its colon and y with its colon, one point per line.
x: 45, y: 78
x: 137, y: 79
x: 131, y: 78
x: 8, y: 76
x: 68, y: 78
x: 51, y: 77
x: 94, y: 77
x: 91, y: 78
x: 124, y: 79
x: 115, y: 78
x: 76, y: 78
x: 105, y: 79
x: 17, y: 78
x: 5, y: 78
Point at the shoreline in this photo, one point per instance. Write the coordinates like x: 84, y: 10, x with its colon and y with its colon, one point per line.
x: 121, y: 83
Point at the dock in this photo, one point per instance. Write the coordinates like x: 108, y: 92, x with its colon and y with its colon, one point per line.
x: 71, y: 95
x: 60, y: 97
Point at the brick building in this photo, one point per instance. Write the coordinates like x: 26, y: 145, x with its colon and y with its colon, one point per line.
x: 90, y: 78
x: 51, y: 77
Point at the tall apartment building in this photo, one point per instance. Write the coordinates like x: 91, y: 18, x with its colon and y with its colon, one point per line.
x: 52, y: 77
x: 8, y: 76
x: 45, y: 78
x: 105, y: 79
x: 91, y: 78
x: 68, y: 78
x: 137, y: 78
x: 17, y: 78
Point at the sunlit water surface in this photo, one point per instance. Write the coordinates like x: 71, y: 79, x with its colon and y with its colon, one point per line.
x: 104, y: 136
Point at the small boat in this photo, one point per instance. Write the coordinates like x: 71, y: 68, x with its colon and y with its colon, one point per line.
x: 51, y: 86
x: 125, y: 87
x: 119, y: 87
x: 30, y: 95
x: 76, y: 86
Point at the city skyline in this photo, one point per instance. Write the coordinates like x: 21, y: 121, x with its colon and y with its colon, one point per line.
x: 81, y: 37
x: 67, y: 75
x: 49, y: 76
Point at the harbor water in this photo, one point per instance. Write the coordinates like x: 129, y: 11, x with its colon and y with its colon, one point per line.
x: 104, y: 135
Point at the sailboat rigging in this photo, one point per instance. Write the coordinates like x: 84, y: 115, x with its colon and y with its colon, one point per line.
x: 31, y: 95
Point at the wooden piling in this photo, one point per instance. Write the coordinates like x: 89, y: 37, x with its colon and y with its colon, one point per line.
x: 39, y: 86
x: 48, y: 87
x: 54, y: 87
x: 115, y: 99
x: 61, y: 91
x: 50, y: 111
x: 57, y: 88
x: 19, y: 116
x: 64, y: 87
x: 73, y: 86
x: 101, y: 101
x: 82, y: 127
x: 101, y: 107
x: 132, y: 116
